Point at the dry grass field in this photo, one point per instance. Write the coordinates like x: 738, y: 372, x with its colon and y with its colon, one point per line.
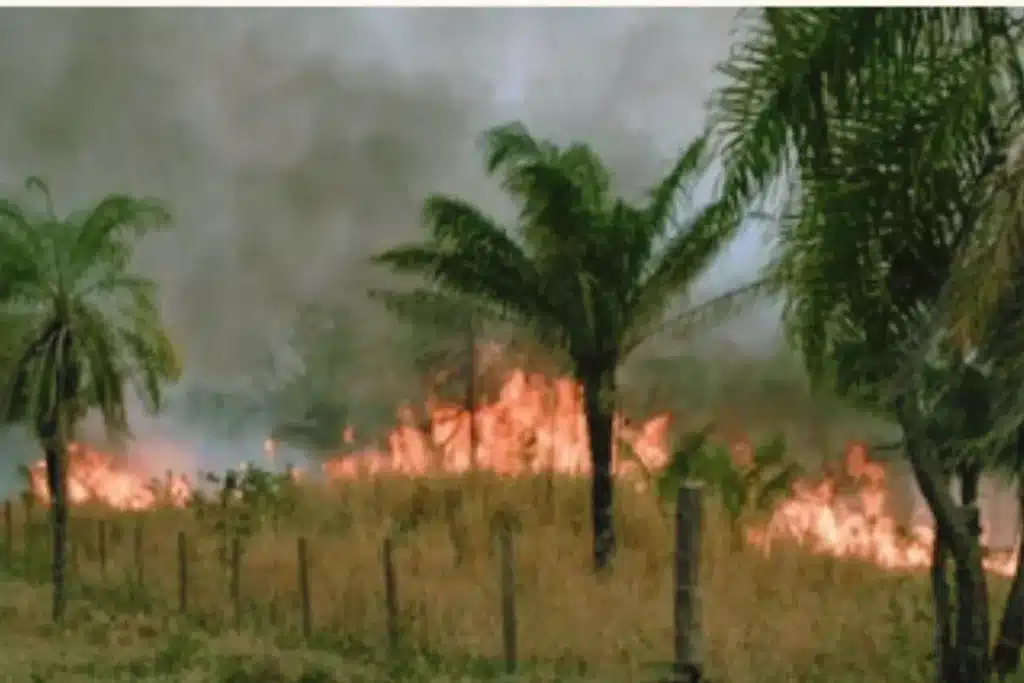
x: 788, y: 617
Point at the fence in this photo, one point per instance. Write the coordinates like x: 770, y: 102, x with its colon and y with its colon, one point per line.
x: 101, y: 548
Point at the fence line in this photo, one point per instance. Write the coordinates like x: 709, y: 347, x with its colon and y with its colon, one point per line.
x: 687, y: 657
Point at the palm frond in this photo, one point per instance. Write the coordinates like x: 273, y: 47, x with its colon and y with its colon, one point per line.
x: 987, y: 267
x: 511, y: 144
x: 473, y: 258
x: 102, y: 359
x: 23, y: 255
x: 431, y: 308
x: 102, y: 229
x: 705, y: 316
x: 797, y: 69
x: 681, y: 261
x: 582, y: 267
x: 675, y: 188
x: 39, y: 185
x: 91, y: 326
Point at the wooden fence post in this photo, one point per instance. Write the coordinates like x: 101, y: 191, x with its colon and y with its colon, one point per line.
x: 689, y: 527
x: 456, y: 531
x: 509, y: 630
x: 182, y: 573
x: 138, y: 550
x: 101, y: 540
x: 236, y: 579
x: 29, y: 545
x: 73, y: 543
x: 307, y: 612
x: 390, y: 591
x: 548, y: 480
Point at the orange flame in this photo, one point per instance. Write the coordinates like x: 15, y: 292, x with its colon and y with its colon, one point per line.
x: 94, y: 476
x: 857, y: 523
x: 536, y: 424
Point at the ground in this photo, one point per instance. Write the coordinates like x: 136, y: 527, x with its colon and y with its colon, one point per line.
x: 788, y: 617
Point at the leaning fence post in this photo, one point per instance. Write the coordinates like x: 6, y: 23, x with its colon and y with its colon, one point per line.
x: 509, y: 630
x: 390, y: 591
x: 307, y: 613
x: 689, y: 526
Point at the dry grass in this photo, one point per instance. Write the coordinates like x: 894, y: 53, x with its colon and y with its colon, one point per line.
x: 789, y: 617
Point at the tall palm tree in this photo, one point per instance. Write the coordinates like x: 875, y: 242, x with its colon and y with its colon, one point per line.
x: 590, y: 272
x: 92, y: 327
x: 884, y: 126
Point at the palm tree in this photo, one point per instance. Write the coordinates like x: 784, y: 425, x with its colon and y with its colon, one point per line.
x: 590, y: 272
x: 797, y: 70
x: 92, y: 328
x: 883, y: 125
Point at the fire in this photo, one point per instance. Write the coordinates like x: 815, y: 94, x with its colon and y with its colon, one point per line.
x: 536, y: 424
x: 94, y: 476
x: 857, y: 522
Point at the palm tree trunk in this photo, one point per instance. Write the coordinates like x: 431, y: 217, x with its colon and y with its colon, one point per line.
x: 968, y: 659
x: 599, y: 410
x: 56, y: 435
x: 599, y: 407
x: 56, y: 475
x: 972, y: 621
x: 943, y: 636
x: 972, y: 614
x: 1006, y: 654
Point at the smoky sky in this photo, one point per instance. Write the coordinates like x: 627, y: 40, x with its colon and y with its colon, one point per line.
x: 292, y: 144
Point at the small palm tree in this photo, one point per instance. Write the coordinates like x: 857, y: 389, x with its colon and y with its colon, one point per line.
x: 91, y: 328
x: 591, y: 272
x: 748, y: 489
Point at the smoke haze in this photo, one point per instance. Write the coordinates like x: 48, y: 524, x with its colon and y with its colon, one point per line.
x: 293, y: 143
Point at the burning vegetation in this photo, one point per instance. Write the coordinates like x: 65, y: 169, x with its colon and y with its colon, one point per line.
x: 536, y: 425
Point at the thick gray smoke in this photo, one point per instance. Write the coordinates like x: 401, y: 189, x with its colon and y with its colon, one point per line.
x: 294, y: 143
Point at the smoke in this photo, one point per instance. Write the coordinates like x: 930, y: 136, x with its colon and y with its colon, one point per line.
x: 292, y: 144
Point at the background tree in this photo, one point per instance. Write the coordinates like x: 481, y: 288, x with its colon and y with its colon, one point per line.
x: 91, y: 327
x: 590, y: 272
x: 311, y: 407
x: 881, y: 128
